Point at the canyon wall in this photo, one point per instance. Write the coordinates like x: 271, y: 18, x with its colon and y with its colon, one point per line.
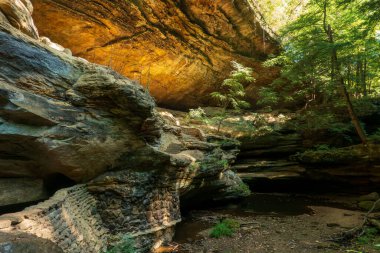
x: 68, y: 123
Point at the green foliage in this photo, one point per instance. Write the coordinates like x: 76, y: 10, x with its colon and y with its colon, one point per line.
x: 231, y: 223
x: 278, y: 13
x: 375, y: 137
x: 308, y: 73
x: 370, y: 236
x: 198, y: 113
x: 244, y: 189
x: 316, y: 120
x: 365, y: 107
x: 231, y: 91
x: 214, y: 163
x: 268, y: 96
x: 226, y: 227
x: 126, y: 245
x: 221, y: 230
x: 325, y: 156
x: 194, y: 166
x: 221, y: 164
x: 322, y: 147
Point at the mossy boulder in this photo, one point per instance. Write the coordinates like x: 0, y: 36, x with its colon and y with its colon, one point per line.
x: 347, y: 155
x: 373, y: 196
x: 367, y: 205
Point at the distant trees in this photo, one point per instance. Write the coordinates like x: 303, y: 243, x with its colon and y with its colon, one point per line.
x: 330, y: 53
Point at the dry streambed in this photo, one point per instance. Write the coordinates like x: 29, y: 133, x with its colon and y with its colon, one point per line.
x: 276, y: 223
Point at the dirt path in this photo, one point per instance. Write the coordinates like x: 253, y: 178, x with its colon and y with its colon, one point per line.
x: 299, y: 233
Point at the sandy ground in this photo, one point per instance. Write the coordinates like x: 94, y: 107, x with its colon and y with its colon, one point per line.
x: 259, y: 233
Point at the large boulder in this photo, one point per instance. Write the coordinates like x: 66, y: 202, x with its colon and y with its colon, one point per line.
x: 178, y: 50
x: 63, y: 115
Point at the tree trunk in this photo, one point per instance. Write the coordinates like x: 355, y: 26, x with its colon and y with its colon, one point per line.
x: 364, y: 75
x: 340, y: 81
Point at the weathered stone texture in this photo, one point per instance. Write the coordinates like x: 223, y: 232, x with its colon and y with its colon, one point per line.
x: 21, y: 190
x: 87, y: 218
x: 64, y: 115
x: 18, y: 13
x: 180, y: 49
x: 69, y: 219
x: 64, y: 118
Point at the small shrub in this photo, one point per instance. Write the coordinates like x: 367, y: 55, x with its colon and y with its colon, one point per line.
x: 244, y: 189
x: 198, y: 113
x: 211, y: 163
x: 226, y: 227
x: 326, y: 156
x: 368, y: 236
x: 194, y: 166
x: 221, y: 230
x: 375, y: 137
x: 233, y: 224
x: 126, y: 245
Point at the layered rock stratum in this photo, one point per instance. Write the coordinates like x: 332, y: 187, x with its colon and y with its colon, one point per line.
x: 68, y: 123
x: 178, y: 50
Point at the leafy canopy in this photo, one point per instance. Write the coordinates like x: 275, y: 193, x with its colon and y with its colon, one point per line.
x: 307, y: 70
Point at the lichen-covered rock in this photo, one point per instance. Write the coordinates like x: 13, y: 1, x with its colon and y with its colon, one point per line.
x: 355, y: 154
x: 373, y: 196
x: 178, y: 50
x: 368, y: 205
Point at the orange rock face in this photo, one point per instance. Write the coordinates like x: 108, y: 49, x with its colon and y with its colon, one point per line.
x: 178, y: 49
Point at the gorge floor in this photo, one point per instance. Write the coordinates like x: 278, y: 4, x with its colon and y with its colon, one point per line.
x: 279, y: 223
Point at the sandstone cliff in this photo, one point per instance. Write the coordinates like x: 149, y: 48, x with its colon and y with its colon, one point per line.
x: 67, y: 122
x: 177, y: 49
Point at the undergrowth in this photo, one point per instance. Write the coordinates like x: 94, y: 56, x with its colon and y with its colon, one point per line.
x: 126, y: 245
x: 226, y: 227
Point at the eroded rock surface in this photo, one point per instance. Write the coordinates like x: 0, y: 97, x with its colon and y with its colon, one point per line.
x: 177, y: 49
x: 18, y: 13
x: 283, y: 160
x: 64, y: 115
x: 65, y: 119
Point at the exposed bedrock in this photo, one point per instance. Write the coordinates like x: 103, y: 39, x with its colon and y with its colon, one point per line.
x: 177, y: 49
x: 64, y: 115
x: 283, y: 161
x: 64, y: 122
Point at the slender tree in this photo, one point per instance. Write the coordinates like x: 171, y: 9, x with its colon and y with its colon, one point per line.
x: 337, y: 77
